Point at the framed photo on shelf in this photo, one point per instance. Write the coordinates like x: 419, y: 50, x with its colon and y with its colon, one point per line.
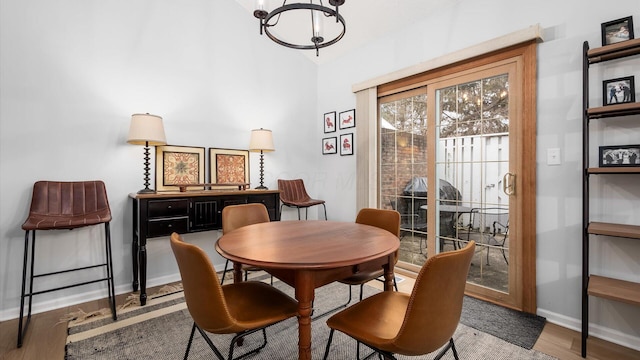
x: 347, y: 119
x: 346, y: 144
x: 617, y: 31
x: 228, y: 166
x: 620, y: 156
x: 329, y: 121
x: 618, y: 91
x: 329, y: 146
x: 179, y: 165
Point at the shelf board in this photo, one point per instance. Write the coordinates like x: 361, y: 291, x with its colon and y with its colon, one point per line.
x: 615, y: 170
x: 614, y: 110
x: 619, y: 230
x: 614, y: 51
x: 614, y: 289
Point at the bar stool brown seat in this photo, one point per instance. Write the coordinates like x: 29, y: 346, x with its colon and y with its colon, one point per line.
x: 64, y: 206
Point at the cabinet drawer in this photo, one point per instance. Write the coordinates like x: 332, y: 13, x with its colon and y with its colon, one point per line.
x: 166, y: 226
x: 168, y: 208
x: 268, y: 201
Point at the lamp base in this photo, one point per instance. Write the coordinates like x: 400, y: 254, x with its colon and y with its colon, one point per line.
x: 147, y: 191
x: 262, y: 187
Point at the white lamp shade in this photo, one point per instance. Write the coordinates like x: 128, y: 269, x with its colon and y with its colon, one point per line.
x: 261, y: 140
x: 146, y: 128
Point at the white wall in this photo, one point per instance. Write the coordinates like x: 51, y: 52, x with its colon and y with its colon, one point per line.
x: 73, y: 72
x: 566, y: 25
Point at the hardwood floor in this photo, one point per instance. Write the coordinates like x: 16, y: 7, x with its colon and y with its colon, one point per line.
x: 47, y: 334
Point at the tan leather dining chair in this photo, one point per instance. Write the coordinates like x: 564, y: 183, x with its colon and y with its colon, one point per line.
x: 240, y: 308
x: 385, y: 219
x: 413, y: 324
x: 236, y: 216
x: 294, y: 194
x: 69, y: 205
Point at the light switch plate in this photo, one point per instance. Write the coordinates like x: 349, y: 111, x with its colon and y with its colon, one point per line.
x: 553, y: 156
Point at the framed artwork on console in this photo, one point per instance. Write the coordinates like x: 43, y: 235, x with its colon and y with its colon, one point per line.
x: 179, y: 165
x: 228, y: 166
x: 346, y: 144
x: 329, y: 146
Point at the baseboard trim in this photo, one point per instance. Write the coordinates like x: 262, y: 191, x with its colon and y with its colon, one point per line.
x: 601, y: 332
x: 48, y: 305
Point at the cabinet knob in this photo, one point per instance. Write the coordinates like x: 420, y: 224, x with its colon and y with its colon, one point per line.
x: 170, y: 226
x: 169, y: 207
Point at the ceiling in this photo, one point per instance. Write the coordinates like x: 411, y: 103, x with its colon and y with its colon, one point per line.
x: 365, y: 20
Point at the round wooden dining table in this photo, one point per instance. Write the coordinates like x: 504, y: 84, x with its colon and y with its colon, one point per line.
x: 309, y: 254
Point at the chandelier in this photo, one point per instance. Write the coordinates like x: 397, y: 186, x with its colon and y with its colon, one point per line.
x: 268, y: 21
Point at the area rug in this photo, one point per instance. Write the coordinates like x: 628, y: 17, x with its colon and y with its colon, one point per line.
x: 160, y: 330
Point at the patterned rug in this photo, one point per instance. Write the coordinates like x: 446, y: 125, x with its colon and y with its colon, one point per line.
x: 160, y: 330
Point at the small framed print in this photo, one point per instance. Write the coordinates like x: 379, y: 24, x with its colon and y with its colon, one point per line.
x: 618, y: 91
x: 617, y: 31
x: 228, y: 166
x: 620, y: 156
x: 347, y: 119
x: 329, y: 146
x: 177, y: 166
x: 329, y: 121
x: 346, y: 144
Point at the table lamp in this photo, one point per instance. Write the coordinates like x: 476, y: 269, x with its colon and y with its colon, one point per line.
x: 262, y: 141
x: 146, y: 129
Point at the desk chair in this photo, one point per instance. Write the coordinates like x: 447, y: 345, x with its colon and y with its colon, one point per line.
x: 64, y: 205
x: 236, y: 216
x: 294, y: 194
x: 413, y: 324
x: 240, y: 308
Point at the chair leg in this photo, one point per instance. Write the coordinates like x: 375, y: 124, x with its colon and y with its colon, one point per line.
x: 325, y: 211
x: 193, y: 330
x: 110, y: 281
x: 450, y: 345
x: 298, y: 213
x: 22, y: 331
x: 326, y: 351
x: 224, y: 272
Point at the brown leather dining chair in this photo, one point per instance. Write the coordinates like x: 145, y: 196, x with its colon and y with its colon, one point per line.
x: 294, y: 194
x: 385, y: 219
x: 413, y: 324
x: 240, y: 308
x: 236, y: 216
x: 59, y: 205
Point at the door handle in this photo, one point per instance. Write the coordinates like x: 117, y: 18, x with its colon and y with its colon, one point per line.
x: 509, y: 183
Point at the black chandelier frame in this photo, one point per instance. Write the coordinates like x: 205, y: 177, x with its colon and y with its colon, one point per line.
x: 317, y: 41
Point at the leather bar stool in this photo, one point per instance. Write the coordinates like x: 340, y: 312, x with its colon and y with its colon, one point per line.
x: 64, y: 205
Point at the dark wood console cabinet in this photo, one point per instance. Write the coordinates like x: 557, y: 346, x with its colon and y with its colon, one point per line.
x: 160, y: 214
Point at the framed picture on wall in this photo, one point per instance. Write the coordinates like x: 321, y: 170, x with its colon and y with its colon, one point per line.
x: 617, y: 31
x: 228, y: 166
x: 329, y: 121
x: 329, y: 146
x: 618, y: 91
x: 620, y: 156
x: 346, y: 144
x: 347, y: 119
x: 179, y: 165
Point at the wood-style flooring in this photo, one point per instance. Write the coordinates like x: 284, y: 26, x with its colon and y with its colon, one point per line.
x: 46, y: 336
